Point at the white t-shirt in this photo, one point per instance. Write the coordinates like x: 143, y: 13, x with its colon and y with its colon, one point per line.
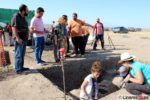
x: 88, y: 87
x: 38, y: 25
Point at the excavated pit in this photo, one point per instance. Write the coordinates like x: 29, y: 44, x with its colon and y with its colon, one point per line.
x: 77, y: 70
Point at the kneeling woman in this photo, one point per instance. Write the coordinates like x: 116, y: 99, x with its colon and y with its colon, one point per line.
x: 139, y: 75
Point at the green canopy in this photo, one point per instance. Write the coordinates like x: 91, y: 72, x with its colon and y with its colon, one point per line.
x: 7, y: 14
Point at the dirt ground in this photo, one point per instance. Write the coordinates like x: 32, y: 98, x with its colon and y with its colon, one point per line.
x: 35, y: 86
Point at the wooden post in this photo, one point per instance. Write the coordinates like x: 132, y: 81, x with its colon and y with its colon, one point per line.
x: 62, y: 54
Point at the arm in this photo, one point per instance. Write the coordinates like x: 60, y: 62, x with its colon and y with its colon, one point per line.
x: 32, y: 30
x: 69, y: 29
x: 46, y: 31
x: 55, y: 39
x: 86, y: 24
x: 15, y: 31
x: 94, y: 30
x: 102, y: 26
x: 83, y: 86
x: 139, y: 79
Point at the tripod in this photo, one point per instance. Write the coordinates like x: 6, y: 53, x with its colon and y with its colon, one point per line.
x: 110, y: 41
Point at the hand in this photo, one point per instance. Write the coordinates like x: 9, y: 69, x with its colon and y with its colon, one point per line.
x: 19, y: 41
x: 55, y: 45
x: 85, y: 96
x: 47, y: 31
x: 127, y: 78
x: 83, y: 35
x: 40, y: 32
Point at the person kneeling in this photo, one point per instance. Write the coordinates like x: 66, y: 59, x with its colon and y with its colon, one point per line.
x: 138, y: 79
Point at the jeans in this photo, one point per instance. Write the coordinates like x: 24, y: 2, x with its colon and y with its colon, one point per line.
x: 39, y: 47
x: 101, y: 38
x: 56, y: 50
x: 78, y: 43
x: 20, y: 50
x: 138, y: 89
x: 68, y: 45
x: 85, y: 40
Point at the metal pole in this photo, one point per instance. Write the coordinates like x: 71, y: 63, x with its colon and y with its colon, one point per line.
x: 62, y: 58
x: 64, y: 83
x: 110, y: 41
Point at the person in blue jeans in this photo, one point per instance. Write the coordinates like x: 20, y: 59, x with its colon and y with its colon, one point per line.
x: 39, y: 47
x: 20, y: 31
x: 38, y: 30
x: 139, y: 75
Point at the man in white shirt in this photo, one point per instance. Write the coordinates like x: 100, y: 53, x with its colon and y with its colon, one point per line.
x: 38, y: 30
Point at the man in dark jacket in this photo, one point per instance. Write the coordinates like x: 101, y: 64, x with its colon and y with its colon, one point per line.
x: 20, y: 31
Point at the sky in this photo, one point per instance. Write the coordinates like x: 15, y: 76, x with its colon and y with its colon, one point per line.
x: 128, y: 13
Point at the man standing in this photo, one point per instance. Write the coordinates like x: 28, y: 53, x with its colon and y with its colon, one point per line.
x: 99, y: 32
x: 65, y: 32
x: 76, y: 33
x: 20, y: 31
x: 38, y: 30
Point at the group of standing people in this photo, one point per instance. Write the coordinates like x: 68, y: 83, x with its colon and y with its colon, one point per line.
x: 77, y: 30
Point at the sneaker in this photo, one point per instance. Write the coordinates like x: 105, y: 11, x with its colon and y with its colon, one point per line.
x: 40, y: 64
x: 74, y: 55
x: 25, y: 69
x: 43, y: 62
x: 19, y: 72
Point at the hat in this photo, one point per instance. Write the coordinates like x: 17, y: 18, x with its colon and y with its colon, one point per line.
x: 126, y: 57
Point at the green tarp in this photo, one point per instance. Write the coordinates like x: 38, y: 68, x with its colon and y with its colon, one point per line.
x: 7, y: 14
